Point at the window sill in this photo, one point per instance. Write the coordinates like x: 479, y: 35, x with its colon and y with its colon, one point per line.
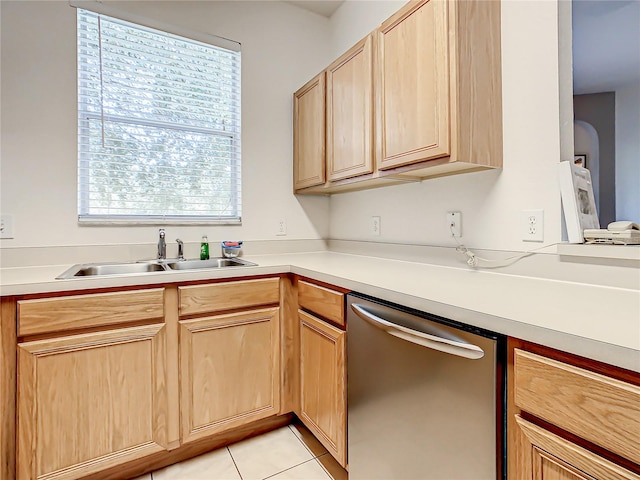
x: 105, y: 222
x: 618, y: 252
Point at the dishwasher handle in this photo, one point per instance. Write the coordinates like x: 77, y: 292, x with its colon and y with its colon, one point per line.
x: 461, y: 349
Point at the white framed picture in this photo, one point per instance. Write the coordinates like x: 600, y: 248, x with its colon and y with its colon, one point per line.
x: 578, y: 201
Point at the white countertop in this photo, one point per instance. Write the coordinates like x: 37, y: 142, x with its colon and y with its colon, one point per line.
x: 594, y: 321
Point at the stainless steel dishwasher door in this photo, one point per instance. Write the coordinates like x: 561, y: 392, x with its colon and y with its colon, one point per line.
x: 421, y: 404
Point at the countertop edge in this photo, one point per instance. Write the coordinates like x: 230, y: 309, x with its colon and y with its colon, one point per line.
x: 322, y: 267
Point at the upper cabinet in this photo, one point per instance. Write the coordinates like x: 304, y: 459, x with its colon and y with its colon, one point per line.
x: 413, y: 81
x: 309, y: 134
x: 435, y: 101
x: 350, y: 113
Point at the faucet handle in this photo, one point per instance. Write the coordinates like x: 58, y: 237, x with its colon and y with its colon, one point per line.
x: 180, y: 249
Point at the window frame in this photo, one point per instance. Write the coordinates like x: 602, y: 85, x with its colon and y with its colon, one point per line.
x: 84, y: 117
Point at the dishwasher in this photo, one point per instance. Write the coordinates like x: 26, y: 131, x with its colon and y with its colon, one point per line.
x: 425, y: 394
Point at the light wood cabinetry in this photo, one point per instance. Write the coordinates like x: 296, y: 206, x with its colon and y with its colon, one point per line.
x: 309, y: 134
x: 218, y: 297
x: 87, y: 402
x: 571, y: 422
x: 345, y: 107
x: 109, y: 381
x: 323, y: 388
x: 545, y: 456
x: 436, y: 102
x: 438, y: 89
x: 323, y: 301
x: 229, y: 366
x: 83, y: 311
x: 229, y: 363
x: 350, y: 113
x: 323, y: 383
x: 412, y: 80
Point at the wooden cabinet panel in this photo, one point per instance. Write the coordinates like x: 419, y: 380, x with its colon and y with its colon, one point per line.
x: 323, y: 383
x: 229, y: 371
x: 81, y: 311
x: 309, y: 134
x: 436, y: 101
x: 412, y: 85
x: 322, y: 301
x: 350, y: 113
x: 217, y: 297
x: 90, y: 402
x: 599, y: 409
x: 546, y: 456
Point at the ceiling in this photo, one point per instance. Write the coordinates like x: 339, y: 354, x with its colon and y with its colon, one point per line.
x: 606, y: 44
x: 321, y: 7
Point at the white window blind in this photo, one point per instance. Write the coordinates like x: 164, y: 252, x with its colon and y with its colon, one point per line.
x: 158, y: 125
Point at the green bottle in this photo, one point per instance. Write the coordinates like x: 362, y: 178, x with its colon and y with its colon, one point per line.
x: 204, y: 248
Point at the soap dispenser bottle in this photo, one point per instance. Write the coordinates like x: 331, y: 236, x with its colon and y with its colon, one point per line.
x: 204, y: 248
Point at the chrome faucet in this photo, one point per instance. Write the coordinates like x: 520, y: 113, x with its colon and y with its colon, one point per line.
x: 180, y: 250
x: 162, y: 246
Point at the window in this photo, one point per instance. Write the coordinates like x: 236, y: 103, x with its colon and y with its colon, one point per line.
x: 158, y: 125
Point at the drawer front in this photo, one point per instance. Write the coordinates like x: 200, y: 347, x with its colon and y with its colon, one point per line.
x: 322, y: 301
x: 600, y: 409
x: 82, y: 311
x: 196, y: 299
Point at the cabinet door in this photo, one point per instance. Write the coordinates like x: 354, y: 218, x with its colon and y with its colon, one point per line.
x: 90, y: 402
x: 349, y: 113
x: 323, y: 383
x: 543, y: 455
x: 309, y: 134
x: 229, y: 371
x: 412, y: 85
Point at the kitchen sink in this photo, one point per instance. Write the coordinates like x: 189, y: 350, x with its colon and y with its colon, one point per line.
x: 102, y: 269
x: 211, y: 263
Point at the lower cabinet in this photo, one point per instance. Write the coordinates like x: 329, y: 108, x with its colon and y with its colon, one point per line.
x: 229, y: 371
x: 571, y: 421
x: 89, y: 402
x: 544, y: 456
x: 323, y: 383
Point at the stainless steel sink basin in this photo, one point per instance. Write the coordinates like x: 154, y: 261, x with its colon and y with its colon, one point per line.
x: 101, y: 269
x: 211, y: 263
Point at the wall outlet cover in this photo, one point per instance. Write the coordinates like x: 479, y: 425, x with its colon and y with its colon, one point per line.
x: 533, y: 225
x: 454, y: 224
x: 281, y: 228
x: 375, y: 226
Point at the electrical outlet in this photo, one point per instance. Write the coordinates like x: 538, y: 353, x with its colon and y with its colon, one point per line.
x: 533, y: 225
x: 454, y: 224
x: 6, y: 226
x: 282, y: 227
x: 375, y: 226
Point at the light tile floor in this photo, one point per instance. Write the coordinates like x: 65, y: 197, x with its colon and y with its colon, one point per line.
x: 288, y: 453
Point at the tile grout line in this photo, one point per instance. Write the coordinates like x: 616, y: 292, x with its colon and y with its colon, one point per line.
x: 234, y: 461
x: 322, y: 466
x: 313, y: 455
x: 290, y: 468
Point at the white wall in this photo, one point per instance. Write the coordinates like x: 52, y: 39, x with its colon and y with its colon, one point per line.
x: 628, y: 153
x: 282, y: 47
x: 491, y: 202
x: 355, y: 19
